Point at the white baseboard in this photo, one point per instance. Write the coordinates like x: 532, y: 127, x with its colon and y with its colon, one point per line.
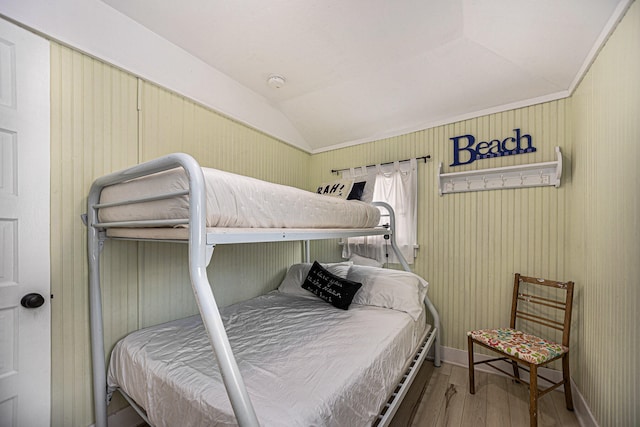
x: 583, y: 413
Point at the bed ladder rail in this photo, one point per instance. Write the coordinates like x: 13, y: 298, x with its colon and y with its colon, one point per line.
x: 392, y: 405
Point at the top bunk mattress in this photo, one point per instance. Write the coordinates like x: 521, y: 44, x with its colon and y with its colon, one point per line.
x: 236, y: 201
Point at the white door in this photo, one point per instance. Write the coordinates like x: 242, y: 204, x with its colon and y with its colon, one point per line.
x: 25, y: 333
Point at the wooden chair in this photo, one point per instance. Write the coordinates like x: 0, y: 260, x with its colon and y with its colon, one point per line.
x: 515, y: 346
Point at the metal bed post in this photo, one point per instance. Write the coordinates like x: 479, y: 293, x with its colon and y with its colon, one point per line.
x: 307, y: 251
x: 94, y: 245
x: 236, y: 389
x: 231, y: 376
x: 405, y: 266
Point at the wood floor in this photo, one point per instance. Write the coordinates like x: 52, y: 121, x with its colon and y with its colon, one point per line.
x: 498, y: 401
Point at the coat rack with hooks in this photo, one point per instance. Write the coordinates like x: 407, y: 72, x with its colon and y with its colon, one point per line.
x: 528, y: 175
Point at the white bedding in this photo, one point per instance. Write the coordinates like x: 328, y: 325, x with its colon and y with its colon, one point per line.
x: 304, y: 362
x: 238, y: 201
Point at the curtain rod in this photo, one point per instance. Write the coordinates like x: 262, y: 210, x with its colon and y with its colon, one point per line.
x: 425, y: 158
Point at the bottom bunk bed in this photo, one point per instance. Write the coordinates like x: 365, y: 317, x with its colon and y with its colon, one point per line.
x: 304, y: 361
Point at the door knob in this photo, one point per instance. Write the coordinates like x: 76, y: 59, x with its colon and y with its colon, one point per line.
x: 32, y: 301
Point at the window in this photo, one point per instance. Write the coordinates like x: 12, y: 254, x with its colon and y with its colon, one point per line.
x: 396, y: 184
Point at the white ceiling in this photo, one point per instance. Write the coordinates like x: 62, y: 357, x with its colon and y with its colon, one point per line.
x: 359, y: 70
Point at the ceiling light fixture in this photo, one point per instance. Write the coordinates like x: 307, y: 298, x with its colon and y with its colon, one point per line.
x: 276, y: 81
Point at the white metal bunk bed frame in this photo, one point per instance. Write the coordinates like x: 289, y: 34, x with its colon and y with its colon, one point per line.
x: 201, y: 244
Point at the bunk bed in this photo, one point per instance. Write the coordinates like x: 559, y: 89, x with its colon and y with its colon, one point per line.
x: 173, y: 199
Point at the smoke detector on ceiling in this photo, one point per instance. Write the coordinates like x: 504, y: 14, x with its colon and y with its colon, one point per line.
x: 276, y: 81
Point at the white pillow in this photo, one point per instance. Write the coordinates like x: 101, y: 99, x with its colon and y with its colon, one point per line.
x: 293, y: 280
x: 340, y: 189
x: 360, y: 260
x: 387, y: 288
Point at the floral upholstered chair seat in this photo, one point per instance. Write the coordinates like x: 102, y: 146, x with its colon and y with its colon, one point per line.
x: 529, y: 348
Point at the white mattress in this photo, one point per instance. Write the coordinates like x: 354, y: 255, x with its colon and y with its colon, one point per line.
x: 237, y: 201
x: 304, y: 362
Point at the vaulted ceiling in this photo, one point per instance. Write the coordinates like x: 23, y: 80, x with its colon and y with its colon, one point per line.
x: 359, y: 70
x: 351, y: 71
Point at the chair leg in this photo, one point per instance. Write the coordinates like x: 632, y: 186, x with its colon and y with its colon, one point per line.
x: 567, y: 382
x: 516, y: 372
x: 533, y: 396
x: 472, y: 382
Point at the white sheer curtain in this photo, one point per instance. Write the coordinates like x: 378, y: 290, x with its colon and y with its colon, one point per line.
x: 397, y: 185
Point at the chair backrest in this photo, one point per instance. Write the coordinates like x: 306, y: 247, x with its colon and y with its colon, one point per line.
x: 529, y: 305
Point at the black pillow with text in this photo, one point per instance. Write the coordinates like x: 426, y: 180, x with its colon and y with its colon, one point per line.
x: 333, y: 289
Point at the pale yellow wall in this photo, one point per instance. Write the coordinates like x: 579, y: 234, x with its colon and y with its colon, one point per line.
x: 93, y: 131
x: 96, y: 128
x: 170, y: 123
x: 471, y: 244
x: 604, y: 223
